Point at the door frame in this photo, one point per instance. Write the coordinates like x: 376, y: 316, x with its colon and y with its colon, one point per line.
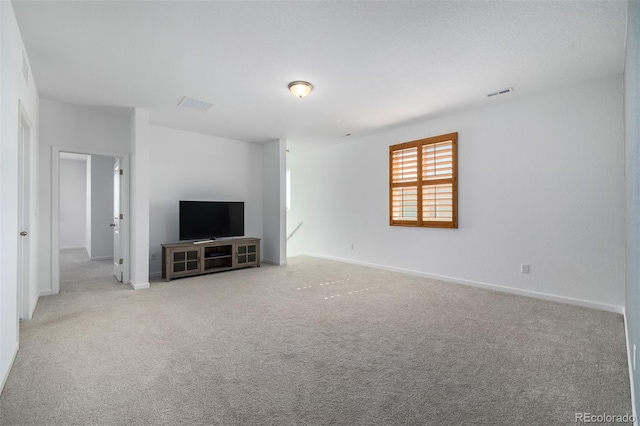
x: 118, y: 186
x: 24, y: 278
x: 55, y: 210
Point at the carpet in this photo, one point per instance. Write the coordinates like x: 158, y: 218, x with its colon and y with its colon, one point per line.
x: 315, y: 342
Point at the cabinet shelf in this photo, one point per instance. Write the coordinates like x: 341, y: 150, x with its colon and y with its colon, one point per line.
x: 187, y: 259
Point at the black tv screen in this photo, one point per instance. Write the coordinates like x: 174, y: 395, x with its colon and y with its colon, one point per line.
x: 211, y: 219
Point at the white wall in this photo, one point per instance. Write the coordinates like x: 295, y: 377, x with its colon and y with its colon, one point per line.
x: 274, y: 219
x: 73, y: 204
x: 87, y: 213
x: 14, y: 88
x: 632, y: 158
x: 192, y: 166
x: 8, y: 341
x: 140, y: 187
x: 72, y: 126
x: 541, y: 182
x: 295, y: 244
x: 101, y: 188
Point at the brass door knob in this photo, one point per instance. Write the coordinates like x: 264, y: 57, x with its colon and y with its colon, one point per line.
x: 112, y: 224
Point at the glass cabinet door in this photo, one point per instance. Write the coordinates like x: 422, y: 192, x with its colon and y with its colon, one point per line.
x: 247, y: 254
x: 186, y: 261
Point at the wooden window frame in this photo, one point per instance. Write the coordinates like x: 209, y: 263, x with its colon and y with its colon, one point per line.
x: 420, y: 183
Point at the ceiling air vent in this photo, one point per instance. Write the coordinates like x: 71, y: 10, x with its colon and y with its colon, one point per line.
x: 193, y: 103
x: 499, y: 92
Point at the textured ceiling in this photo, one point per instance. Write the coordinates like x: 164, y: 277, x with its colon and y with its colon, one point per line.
x: 374, y: 65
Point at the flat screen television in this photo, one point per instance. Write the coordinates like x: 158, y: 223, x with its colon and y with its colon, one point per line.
x: 211, y: 219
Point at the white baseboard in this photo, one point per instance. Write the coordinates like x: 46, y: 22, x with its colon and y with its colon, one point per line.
x: 274, y: 262
x: 48, y: 292
x: 5, y: 374
x: 630, y: 363
x: 101, y: 258
x: 521, y: 292
x: 72, y: 248
x: 140, y: 286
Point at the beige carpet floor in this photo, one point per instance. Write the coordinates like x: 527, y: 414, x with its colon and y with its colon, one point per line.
x: 312, y: 343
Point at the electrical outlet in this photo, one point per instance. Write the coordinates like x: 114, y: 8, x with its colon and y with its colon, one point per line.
x: 635, y: 357
x: 154, y: 256
x: 524, y: 268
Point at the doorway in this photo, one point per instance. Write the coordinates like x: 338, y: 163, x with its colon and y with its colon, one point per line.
x: 84, y: 197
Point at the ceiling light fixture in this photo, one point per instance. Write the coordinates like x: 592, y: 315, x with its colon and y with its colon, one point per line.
x: 300, y: 88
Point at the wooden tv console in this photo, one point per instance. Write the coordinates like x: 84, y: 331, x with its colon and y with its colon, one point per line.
x: 187, y: 259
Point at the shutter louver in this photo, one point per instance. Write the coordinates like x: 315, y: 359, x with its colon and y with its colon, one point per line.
x: 405, y: 203
x: 437, y: 161
x: 437, y: 202
x: 405, y: 165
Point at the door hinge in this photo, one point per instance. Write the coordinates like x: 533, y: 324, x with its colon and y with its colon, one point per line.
x: 120, y: 261
x: 121, y: 172
x: 121, y: 216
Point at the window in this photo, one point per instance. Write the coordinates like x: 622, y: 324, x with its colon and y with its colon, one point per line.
x: 423, y: 182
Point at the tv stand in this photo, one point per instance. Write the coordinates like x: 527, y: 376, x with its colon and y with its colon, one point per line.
x: 204, y: 257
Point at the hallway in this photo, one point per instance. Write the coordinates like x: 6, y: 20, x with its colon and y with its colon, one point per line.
x: 78, y: 273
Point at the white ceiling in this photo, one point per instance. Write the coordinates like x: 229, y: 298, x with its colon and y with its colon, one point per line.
x: 374, y: 65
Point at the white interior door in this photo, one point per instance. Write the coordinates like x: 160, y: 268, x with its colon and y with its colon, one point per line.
x: 23, y: 217
x: 117, y: 220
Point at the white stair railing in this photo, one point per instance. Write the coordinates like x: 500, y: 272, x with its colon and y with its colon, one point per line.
x: 294, y: 230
